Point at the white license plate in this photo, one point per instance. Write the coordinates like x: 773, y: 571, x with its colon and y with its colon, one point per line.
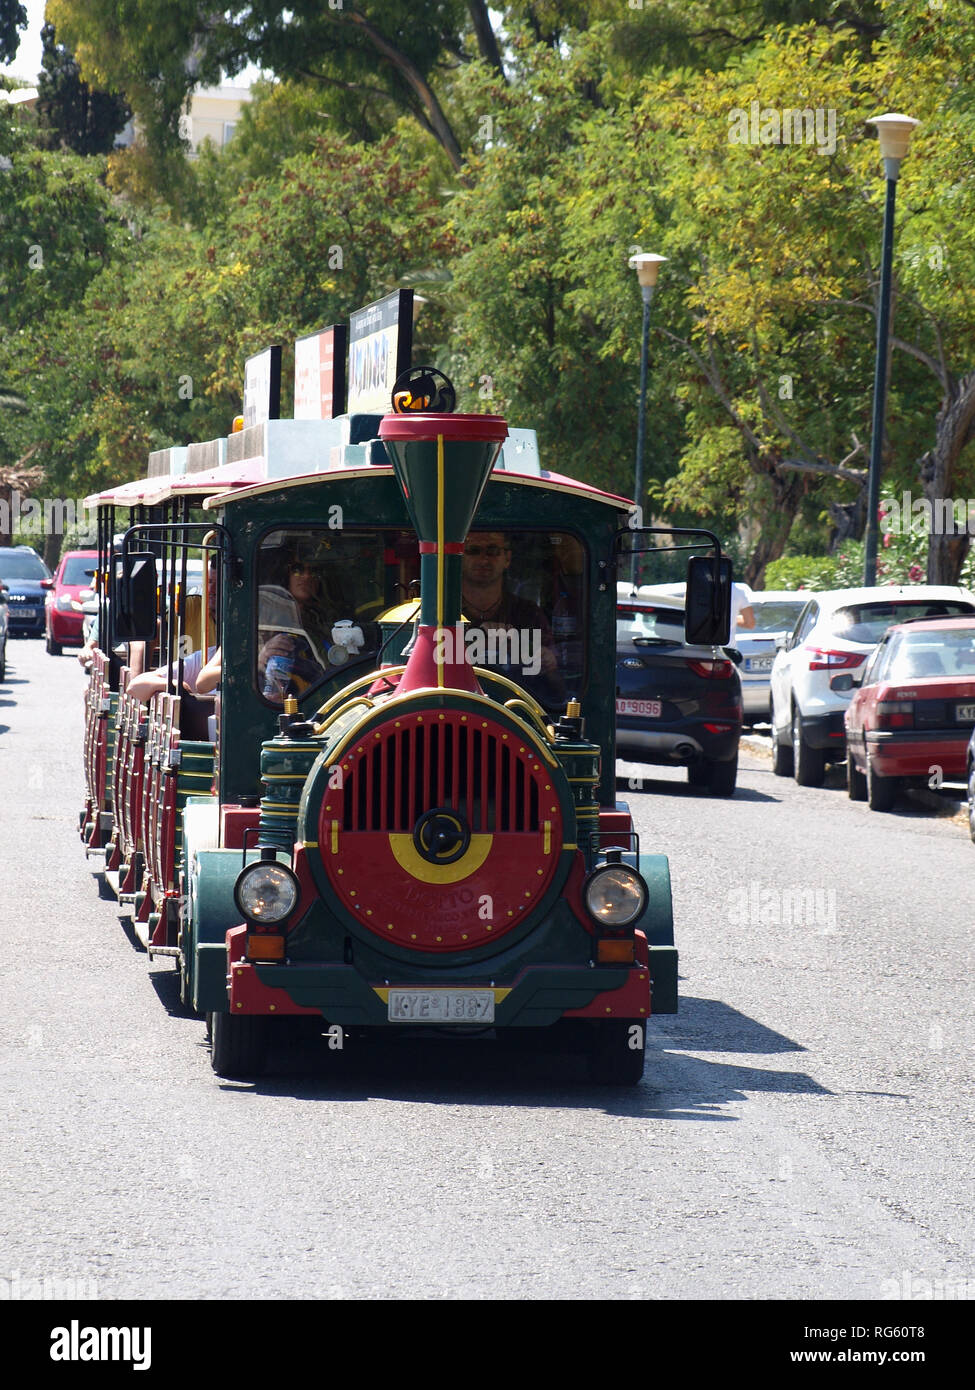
x: 25, y: 612
x: 441, y: 1006
x: 759, y: 663
x: 965, y: 713
x: 650, y: 709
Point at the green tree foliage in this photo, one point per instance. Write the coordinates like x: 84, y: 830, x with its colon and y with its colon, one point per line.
x: 72, y: 116
x: 13, y: 18
x: 371, y: 60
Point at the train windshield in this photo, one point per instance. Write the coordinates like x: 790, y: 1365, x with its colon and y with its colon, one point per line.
x: 320, y: 594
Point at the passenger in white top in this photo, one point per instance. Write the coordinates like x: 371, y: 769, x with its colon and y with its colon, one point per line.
x: 742, y: 612
x: 145, y: 686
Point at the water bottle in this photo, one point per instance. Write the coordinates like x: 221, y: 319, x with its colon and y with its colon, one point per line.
x: 277, y: 677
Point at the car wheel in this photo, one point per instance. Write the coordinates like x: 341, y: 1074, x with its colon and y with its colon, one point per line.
x: 781, y: 755
x: 53, y: 648
x: 238, y: 1045
x: 616, y: 1052
x: 856, y: 782
x: 881, y: 791
x: 699, y: 774
x: 971, y: 801
x: 3, y: 662
x: 724, y: 777
x: 809, y: 764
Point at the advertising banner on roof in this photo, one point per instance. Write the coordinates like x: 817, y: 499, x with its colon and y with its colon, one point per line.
x: 262, y: 387
x: 380, y: 347
x: 320, y: 373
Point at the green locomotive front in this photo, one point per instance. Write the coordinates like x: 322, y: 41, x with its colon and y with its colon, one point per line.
x: 431, y: 844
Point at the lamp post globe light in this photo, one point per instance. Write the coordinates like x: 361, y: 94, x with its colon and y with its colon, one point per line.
x: 647, y: 267
x: 894, y: 133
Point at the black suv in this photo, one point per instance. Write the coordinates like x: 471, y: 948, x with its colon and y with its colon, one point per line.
x: 23, y: 571
x: 675, y: 704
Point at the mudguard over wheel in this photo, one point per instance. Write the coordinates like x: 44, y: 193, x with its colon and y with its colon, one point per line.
x: 238, y: 1045
x: 809, y: 763
x: 616, y: 1052
x: 856, y: 781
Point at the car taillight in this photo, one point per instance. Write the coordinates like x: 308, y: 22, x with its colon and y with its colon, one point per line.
x: 895, y: 714
x: 712, y: 670
x: 820, y: 660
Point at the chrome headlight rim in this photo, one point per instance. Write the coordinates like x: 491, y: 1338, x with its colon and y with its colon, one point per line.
x: 250, y: 872
x: 625, y: 871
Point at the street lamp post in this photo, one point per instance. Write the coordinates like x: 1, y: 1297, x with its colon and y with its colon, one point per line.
x: 647, y: 267
x: 894, y: 132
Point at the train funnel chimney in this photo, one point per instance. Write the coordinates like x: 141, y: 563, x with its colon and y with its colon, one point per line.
x: 442, y: 463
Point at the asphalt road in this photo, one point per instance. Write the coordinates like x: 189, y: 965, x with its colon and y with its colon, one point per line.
x: 803, y: 1131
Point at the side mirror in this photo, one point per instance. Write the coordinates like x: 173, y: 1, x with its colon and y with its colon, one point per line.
x: 707, y: 607
x: 3, y: 593
x: 733, y: 654
x: 47, y: 583
x: 783, y: 641
x: 135, y: 618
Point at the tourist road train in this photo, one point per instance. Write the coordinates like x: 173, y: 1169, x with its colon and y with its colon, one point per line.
x: 395, y: 813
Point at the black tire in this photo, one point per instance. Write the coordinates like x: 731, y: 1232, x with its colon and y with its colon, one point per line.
x: 724, y: 777
x: 53, y: 648
x: 809, y: 764
x: 238, y: 1045
x: 781, y: 755
x: 881, y: 791
x: 856, y: 781
x: 3, y: 663
x: 971, y: 801
x: 699, y: 774
x: 613, y: 1058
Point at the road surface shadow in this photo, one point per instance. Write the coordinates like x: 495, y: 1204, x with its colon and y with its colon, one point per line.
x: 658, y: 787
x: 482, y: 1071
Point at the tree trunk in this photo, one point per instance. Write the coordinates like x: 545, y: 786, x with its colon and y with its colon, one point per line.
x: 788, y: 490
x: 487, y: 43
x: 949, y: 540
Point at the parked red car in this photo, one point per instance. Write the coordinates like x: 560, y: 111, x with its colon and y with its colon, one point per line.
x: 914, y: 712
x: 63, y: 618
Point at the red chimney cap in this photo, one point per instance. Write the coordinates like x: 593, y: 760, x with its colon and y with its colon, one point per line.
x: 470, y: 428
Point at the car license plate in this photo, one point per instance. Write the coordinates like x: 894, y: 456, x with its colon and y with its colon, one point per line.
x: 965, y: 713
x: 759, y: 663
x: 25, y: 612
x: 441, y: 1006
x: 650, y: 709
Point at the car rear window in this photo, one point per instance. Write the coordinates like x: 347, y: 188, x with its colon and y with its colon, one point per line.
x: 867, y: 622
x: 76, y: 569
x: 634, y: 623
x: 776, y: 616
x: 919, y: 654
x: 25, y: 565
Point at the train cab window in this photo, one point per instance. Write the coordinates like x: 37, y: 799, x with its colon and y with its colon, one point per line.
x: 319, y: 594
x: 528, y: 589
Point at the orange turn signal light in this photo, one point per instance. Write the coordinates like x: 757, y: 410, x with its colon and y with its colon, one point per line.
x: 261, y: 946
x: 615, y: 952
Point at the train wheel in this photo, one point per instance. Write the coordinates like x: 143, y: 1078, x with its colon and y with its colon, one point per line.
x: 238, y: 1045
x: 616, y: 1052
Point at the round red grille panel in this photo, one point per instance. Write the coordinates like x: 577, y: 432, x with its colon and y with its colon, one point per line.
x: 445, y: 832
